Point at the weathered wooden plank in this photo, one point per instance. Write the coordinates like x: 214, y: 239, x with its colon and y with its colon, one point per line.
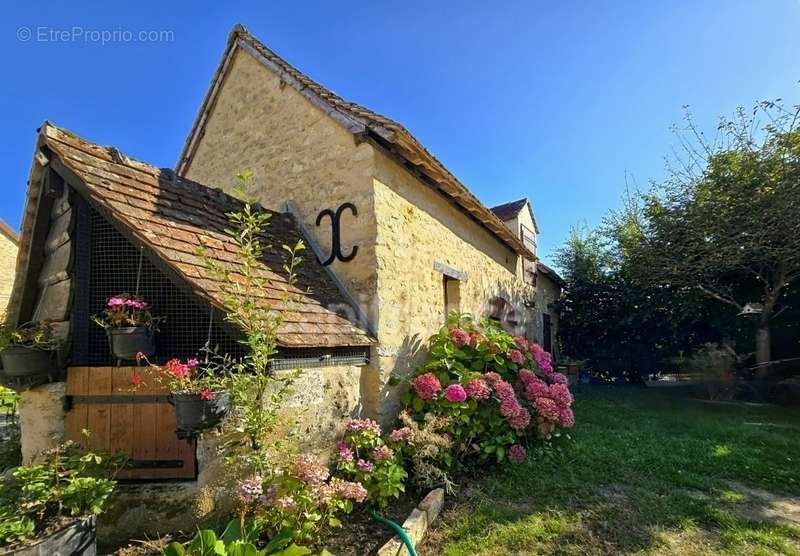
x: 99, y: 415
x: 121, y: 419
x: 76, y: 418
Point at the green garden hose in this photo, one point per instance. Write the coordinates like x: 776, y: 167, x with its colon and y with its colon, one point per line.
x: 397, y: 529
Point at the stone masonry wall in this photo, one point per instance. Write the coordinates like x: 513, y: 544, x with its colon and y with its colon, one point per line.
x: 8, y: 264
x: 322, y: 401
x: 298, y: 154
x: 417, y: 227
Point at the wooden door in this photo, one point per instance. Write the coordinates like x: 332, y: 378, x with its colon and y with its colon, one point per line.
x: 140, y: 423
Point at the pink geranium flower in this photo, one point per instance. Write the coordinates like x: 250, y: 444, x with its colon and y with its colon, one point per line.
x: 206, y: 394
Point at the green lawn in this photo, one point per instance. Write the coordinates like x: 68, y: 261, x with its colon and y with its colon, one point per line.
x: 648, y: 472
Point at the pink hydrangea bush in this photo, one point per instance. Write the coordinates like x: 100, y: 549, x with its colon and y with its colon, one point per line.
x: 363, y: 457
x: 301, y: 497
x: 499, y: 392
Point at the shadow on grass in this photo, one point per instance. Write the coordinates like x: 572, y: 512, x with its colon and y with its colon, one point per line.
x: 645, y: 472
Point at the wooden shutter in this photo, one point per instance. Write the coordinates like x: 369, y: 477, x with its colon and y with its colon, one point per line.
x: 140, y: 424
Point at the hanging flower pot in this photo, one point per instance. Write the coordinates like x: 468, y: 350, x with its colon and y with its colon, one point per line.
x: 198, y: 412
x: 129, y: 341
x: 24, y: 361
x: 29, y: 350
x: 129, y: 325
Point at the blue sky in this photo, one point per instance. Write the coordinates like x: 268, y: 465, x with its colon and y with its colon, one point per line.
x: 556, y: 101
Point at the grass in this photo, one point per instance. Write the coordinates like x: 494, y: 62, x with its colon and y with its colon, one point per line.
x: 646, y: 472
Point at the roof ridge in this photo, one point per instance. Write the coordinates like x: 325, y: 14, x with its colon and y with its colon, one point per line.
x: 357, y: 119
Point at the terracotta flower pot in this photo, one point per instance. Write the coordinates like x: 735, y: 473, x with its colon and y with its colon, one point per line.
x: 127, y: 341
x: 24, y: 361
x: 76, y: 539
x: 195, y: 415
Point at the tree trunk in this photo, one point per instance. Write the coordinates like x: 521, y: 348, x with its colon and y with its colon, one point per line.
x: 763, y: 376
x: 763, y: 347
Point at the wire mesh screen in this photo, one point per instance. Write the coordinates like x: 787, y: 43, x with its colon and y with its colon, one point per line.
x: 117, y: 266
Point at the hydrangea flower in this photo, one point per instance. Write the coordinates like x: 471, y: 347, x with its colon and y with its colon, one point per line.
x: 400, y: 435
x: 356, y: 425
x: 516, y: 356
x: 365, y: 466
x: 250, y: 489
x: 286, y: 503
x: 349, y: 490
x: 427, y: 386
x: 478, y: 389
x: 516, y: 454
x: 345, y: 452
x: 561, y: 394
x: 455, y: 393
x: 460, y: 336
x: 522, y: 343
x: 547, y: 409
x: 566, y: 417
x: 559, y: 378
x: 492, y: 377
x: 382, y: 453
x: 519, y: 419
x: 536, y: 388
x: 306, y: 468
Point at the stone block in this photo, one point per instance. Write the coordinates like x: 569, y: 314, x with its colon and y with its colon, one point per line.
x: 432, y: 504
x: 41, y: 418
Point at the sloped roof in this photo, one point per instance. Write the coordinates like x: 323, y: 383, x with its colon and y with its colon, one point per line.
x: 550, y: 273
x: 8, y: 231
x: 358, y: 120
x: 173, y: 216
x: 507, y: 211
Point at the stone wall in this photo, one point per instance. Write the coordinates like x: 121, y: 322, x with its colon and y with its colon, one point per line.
x: 41, y: 418
x: 322, y: 401
x: 418, y: 228
x: 8, y: 263
x: 302, y: 156
x: 299, y: 155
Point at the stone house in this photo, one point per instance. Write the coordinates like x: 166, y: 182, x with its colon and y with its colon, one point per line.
x: 405, y: 238
x: 397, y: 243
x: 9, y: 241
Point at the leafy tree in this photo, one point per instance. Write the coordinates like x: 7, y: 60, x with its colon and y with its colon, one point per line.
x: 726, y: 222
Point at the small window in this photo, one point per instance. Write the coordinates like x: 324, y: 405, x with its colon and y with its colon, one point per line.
x: 452, y: 295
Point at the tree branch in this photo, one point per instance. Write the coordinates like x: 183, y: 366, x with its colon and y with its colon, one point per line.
x: 719, y: 297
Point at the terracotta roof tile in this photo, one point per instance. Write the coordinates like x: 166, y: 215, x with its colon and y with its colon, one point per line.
x: 174, y: 217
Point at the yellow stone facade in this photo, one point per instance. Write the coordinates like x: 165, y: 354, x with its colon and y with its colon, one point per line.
x: 8, y: 264
x: 405, y: 231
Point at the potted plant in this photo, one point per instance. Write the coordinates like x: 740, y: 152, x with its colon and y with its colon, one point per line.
x: 129, y: 325
x: 28, y: 350
x: 51, y: 507
x: 197, y: 393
